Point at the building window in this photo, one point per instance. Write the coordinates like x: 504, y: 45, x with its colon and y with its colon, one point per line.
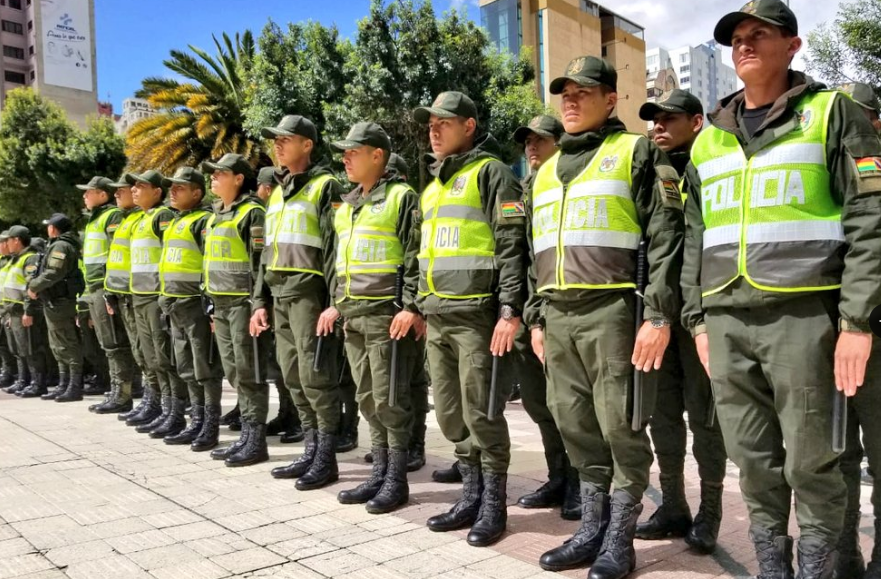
x: 651, y: 60
x: 33, y: 75
x: 30, y: 24
x: 15, y: 4
x: 12, y: 76
x: 31, y: 50
x: 501, y: 20
x: 683, y: 57
x: 13, y: 27
x: 13, y: 52
x: 590, y: 8
x: 685, y: 80
x: 684, y: 69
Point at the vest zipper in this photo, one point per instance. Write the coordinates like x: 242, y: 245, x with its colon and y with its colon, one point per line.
x: 560, y: 228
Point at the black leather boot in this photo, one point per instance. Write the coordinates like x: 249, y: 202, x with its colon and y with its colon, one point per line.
x: 302, y: 463
x: 137, y: 384
x: 873, y: 571
x: 188, y: 434
x: 416, y: 454
x: 120, y: 400
x: 464, y: 512
x: 703, y: 533
x: 293, y: 434
x: 235, y: 423
x: 146, y: 400
x: 151, y: 410
x: 448, y: 475
x: 774, y: 553
x: 174, y: 423
x: 582, y: 548
x: 37, y: 386
x: 324, y: 469
x: 232, y: 415
x: 369, y: 488
x: 254, y: 451
x: 60, y: 388
x: 395, y: 491
x: 617, y: 557
x: 207, y: 437
x: 98, y: 386
x: 348, y: 431
x: 283, y: 420
x: 74, y: 392
x: 816, y: 559
x: 164, y: 411
x: 492, y: 518
x: 110, y: 395
x: 7, y: 375
x: 227, y: 451
x: 673, y: 517
x: 549, y: 494
x: 571, y: 509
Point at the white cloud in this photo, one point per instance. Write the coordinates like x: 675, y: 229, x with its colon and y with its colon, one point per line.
x: 675, y: 23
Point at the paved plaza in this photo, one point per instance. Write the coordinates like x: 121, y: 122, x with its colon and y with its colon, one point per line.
x: 83, y: 496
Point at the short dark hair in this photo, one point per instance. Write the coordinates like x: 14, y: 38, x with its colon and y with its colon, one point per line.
x: 25, y: 239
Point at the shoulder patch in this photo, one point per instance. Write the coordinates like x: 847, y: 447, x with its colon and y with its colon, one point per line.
x: 58, y: 254
x: 512, y: 209
x: 336, y: 205
x: 30, y: 269
x: 113, y: 227
x: 163, y: 225
x: 868, y: 166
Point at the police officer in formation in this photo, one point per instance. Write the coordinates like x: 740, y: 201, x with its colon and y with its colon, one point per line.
x: 758, y: 231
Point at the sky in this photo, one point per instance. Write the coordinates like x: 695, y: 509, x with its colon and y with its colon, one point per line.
x: 135, y: 36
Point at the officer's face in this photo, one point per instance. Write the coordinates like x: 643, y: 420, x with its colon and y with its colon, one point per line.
x: 586, y: 108
x: 52, y: 231
x: 124, y: 198
x: 674, y: 131
x: 449, y: 136
x: 761, y: 50
x: 4, y: 247
x: 94, y: 198
x: 226, y: 184
x: 14, y: 245
x: 184, y: 197
x: 264, y: 191
x: 292, y: 150
x: 363, y: 164
x: 873, y: 118
x: 146, y: 195
x: 538, y: 149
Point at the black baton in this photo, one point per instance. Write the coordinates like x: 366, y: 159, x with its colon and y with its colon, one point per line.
x: 399, y: 305
x: 636, y: 421
x: 839, y: 422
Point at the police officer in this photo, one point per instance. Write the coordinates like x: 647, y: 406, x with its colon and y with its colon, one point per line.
x: 778, y: 291
x: 863, y: 416
x: 592, y: 205
x: 287, y: 422
x: 57, y: 285
x: 8, y: 369
x: 682, y: 383
x: 233, y: 248
x: 378, y: 234
x: 119, y: 303
x: 180, y: 276
x: 104, y: 219
x: 27, y: 326
x: 295, y: 272
x: 154, y: 340
x: 471, y: 287
x: 864, y: 95
x: 539, y: 139
x: 96, y: 371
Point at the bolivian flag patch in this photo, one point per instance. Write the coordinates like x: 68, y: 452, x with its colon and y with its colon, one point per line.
x: 511, y: 209
x: 671, y: 189
x: 869, y: 165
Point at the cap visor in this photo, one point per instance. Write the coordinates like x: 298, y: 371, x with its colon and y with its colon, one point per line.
x: 209, y: 167
x: 522, y: 133
x: 272, y: 132
x: 725, y: 28
x: 84, y: 187
x: 648, y: 111
x: 169, y: 181
x: 559, y: 83
x: 346, y: 145
x: 131, y: 178
x: 423, y: 114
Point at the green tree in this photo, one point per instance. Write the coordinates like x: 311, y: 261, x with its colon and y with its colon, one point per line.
x: 403, y: 56
x: 848, y: 49
x: 200, y: 118
x: 43, y: 155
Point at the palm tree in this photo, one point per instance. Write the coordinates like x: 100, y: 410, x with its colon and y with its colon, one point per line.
x: 200, y: 118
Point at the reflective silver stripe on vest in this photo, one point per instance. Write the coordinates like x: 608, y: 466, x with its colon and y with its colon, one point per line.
x: 183, y: 244
x: 147, y: 243
x: 462, y: 212
x: 548, y: 197
x: 723, y: 235
x: 145, y: 268
x: 546, y: 241
x: 795, y: 231
x: 298, y: 239
x: 459, y: 263
x: 95, y: 260
x: 612, y: 188
x: 721, y: 165
x: 601, y: 238
x: 124, y: 242
x: 792, y: 153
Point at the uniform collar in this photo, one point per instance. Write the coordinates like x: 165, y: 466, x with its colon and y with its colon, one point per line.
x: 590, y: 140
x: 356, y: 197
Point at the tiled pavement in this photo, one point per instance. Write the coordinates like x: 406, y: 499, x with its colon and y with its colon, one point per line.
x: 83, y: 496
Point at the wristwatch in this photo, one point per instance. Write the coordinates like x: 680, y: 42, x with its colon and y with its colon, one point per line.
x: 507, y: 312
x: 659, y: 323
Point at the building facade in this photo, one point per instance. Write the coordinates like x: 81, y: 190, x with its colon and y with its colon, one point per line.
x: 133, y: 110
x: 49, y: 45
x: 558, y: 31
x: 698, y: 69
